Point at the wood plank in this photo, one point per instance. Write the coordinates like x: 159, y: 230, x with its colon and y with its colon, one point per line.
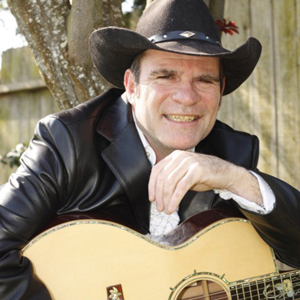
x: 286, y: 71
x: 24, y: 99
x: 260, y: 105
x: 262, y: 96
x: 235, y: 107
x: 19, y: 114
x: 33, y: 84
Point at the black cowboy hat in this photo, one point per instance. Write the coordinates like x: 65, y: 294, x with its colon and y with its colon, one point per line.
x: 180, y: 26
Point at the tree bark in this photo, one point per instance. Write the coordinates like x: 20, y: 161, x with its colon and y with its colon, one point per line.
x: 57, y: 33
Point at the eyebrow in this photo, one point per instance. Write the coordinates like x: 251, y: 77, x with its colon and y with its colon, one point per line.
x: 162, y: 72
x: 210, y: 77
x: 171, y: 72
x: 168, y: 72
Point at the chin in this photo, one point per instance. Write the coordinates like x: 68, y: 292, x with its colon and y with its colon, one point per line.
x: 179, y: 143
x: 184, y: 144
x: 184, y: 147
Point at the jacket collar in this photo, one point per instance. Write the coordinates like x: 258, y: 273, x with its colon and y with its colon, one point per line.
x: 236, y: 147
x: 126, y: 157
x: 116, y: 116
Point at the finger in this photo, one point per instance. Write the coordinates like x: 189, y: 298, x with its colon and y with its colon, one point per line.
x: 189, y: 179
x: 157, y: 179
x: 167, y: 186
x: 153, y: 179
x: 162, y: 185
x: 183, y: 184
x: 168, y: 179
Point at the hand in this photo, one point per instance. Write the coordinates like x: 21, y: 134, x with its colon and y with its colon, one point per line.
x: 181, y: 171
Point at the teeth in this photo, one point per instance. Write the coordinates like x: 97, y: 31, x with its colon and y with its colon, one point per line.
x: 179, y: 118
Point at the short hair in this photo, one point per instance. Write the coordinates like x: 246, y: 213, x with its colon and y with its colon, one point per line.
x: 136, y: 67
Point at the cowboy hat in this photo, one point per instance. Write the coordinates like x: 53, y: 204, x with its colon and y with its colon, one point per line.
x: 180, y: 26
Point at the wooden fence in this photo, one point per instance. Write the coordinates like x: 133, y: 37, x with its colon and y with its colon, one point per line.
x: 268, y: 104
x: 24, y: 99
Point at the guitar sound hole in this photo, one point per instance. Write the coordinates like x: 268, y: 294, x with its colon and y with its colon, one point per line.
x: 204, y: 290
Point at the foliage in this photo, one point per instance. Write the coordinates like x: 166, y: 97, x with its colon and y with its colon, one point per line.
x: 3, y: 5
x: 132, y: 16
x: 12, y: 158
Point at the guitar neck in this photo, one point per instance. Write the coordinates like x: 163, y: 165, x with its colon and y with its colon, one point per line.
x: 283, y: 286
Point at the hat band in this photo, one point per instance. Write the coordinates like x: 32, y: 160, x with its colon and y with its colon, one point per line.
x: 182, y: 35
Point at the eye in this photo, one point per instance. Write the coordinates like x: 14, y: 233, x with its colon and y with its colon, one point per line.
x: 203, y: 83
x: 206, y: 83
x: 163, y: 74
x: 165, y: 77
x: 205, y: 80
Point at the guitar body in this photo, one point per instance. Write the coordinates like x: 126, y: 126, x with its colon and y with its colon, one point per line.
x: 81, y: 259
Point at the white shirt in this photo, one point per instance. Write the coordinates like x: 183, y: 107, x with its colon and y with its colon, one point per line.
x: 161, y: 223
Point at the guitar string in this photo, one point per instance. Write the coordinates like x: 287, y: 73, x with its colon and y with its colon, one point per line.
x: 237, y: 296
x: 203, y: 297
x: 210, y: 295
x: 260, y: 290
x: 240, y: 295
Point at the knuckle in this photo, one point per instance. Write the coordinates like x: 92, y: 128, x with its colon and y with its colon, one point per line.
x: 160, y: 179
x: 181, y: 186
x: 169, y: 180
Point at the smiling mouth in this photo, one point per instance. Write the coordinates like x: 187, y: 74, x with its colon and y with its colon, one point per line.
x: 181, y: 118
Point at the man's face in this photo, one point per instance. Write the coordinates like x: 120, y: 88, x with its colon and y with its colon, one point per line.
x: 176, y: 100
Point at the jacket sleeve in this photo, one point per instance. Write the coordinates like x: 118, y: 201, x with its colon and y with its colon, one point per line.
x: 27, y: 203
x: 281, y: 227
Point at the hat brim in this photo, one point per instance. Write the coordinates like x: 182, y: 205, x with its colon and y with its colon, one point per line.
x: 113, y: 50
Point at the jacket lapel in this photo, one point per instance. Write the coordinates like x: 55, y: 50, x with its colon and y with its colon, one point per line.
x: 126, y: 158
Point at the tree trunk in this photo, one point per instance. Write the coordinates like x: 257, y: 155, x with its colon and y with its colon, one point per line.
x: 57, y: 33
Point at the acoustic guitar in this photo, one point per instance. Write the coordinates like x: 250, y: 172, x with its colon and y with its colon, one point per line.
x: 211, y: 256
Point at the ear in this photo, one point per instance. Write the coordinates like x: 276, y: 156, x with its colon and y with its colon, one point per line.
x: 129, y: 83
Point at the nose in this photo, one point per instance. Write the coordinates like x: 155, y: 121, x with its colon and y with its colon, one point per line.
x: 185, y: 93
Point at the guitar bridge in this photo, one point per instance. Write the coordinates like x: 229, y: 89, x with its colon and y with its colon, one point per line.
x: 115, y: 292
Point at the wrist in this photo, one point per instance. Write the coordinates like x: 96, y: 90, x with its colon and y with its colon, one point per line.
x: 245, y: 184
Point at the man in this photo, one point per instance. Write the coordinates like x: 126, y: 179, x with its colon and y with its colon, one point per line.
x: 154, y: 156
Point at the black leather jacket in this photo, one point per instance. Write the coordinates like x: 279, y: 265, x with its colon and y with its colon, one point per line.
x: 90, y: 158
